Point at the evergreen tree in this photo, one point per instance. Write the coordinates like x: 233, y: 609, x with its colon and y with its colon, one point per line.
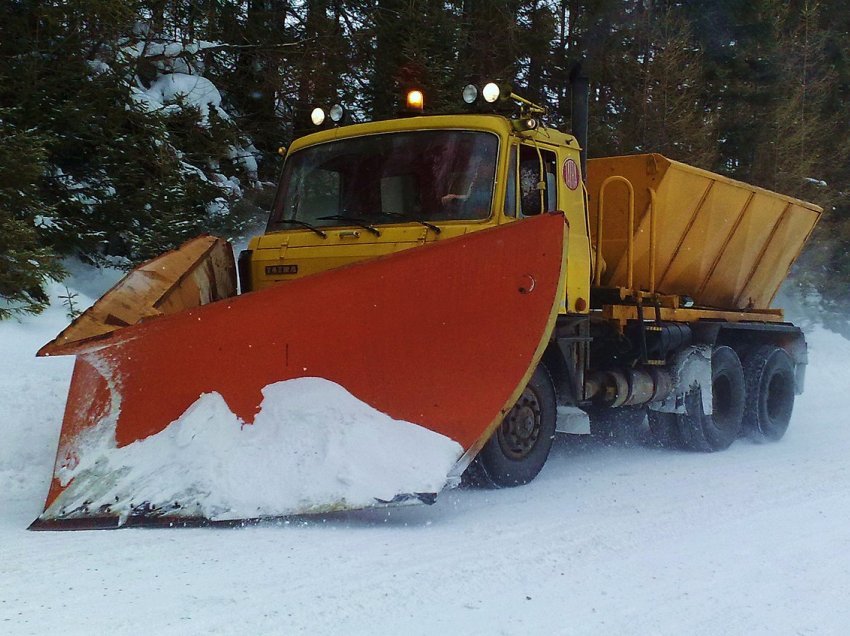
x: 132, y: 152
x: 25, y: 263
x: 413, y: 48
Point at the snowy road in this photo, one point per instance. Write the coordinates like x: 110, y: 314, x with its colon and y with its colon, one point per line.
x: 754, y: 540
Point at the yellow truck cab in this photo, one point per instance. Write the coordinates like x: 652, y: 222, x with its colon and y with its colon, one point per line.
x: 366, y: 190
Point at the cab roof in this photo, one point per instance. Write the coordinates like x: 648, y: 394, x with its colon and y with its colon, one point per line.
x: 471, y: 121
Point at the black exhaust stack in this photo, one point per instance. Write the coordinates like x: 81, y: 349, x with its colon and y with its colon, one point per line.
x: 579, y: 94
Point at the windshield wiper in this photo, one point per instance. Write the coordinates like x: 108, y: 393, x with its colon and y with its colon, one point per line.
x: 352, y: 220
x: 410, y: 217
x: 306, y: 225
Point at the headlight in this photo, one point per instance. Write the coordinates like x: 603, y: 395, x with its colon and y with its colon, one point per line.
x: 317, y: 116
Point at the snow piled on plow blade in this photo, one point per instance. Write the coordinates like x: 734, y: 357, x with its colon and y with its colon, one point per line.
x: 313, y: 447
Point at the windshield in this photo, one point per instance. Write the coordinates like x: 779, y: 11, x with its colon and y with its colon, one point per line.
x: 419, y: 176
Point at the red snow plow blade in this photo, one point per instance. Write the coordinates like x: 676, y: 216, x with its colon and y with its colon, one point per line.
x: 440, y: 338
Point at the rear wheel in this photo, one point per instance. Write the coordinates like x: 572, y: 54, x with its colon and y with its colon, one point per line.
x: 769, y: 375
x: 518, y: 448
x: 702, y: 432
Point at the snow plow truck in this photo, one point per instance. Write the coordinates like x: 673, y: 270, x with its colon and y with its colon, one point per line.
x: 434, y: 298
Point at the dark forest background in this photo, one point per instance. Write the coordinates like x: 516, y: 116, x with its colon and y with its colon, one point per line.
x: 104, y: 158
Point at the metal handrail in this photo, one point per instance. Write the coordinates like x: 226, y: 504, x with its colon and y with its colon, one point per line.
x: 653, y: 245
x: 597, y: 278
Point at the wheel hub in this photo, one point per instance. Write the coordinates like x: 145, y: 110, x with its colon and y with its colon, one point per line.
x: 520, y: 429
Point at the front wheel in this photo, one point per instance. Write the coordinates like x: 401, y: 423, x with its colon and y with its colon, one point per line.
x: 518, y: 448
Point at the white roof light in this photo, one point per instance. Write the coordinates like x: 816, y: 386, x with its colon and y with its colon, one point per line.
x: 336, y: 113
x: 490, y: 92
x: 317, y: 116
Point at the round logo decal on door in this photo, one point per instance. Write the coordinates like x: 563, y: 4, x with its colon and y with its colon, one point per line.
x: 571, y: 174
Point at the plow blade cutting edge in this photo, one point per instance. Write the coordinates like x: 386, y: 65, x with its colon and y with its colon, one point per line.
x: 366, y: 385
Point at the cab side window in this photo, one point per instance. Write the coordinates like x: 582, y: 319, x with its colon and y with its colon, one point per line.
x: 538, y: 183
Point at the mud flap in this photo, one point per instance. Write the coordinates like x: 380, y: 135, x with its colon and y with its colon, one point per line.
x: 443, y: 337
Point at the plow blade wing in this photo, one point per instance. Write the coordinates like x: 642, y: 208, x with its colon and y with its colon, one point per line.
x: 201, y: 271
x: 366, y: 385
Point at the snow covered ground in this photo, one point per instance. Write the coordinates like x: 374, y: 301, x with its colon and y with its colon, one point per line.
x: 754, y: 540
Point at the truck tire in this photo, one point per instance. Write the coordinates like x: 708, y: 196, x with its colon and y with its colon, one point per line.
x: 769, y: 376
x: 518, y: 448
x: 708, y: 433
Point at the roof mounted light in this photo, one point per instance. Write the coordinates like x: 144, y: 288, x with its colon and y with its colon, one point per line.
x: 498, y: 97
x: 470, y: 93
x: 337, y: 112
x: 415, y: 100
x: 525, y: 123
x: 317, y: 116
x: 492, y: 92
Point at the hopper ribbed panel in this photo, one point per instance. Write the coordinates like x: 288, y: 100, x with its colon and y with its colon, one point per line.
x: 722, y: 242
